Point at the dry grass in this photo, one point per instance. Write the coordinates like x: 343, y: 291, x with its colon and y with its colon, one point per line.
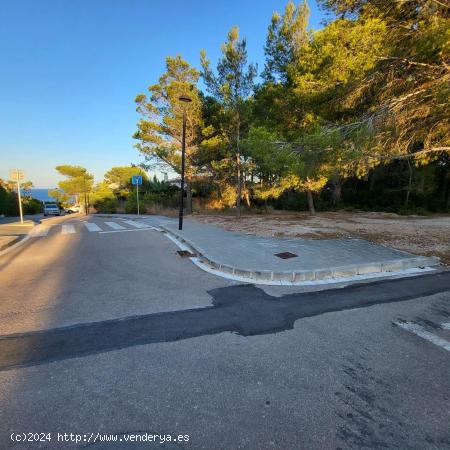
x: 419, y: 235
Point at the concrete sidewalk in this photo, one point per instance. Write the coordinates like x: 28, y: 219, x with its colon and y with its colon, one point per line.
x: 12, y: 232
x: 255, y: 257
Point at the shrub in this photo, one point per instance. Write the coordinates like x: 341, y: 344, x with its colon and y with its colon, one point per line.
x: 106, y: 205
x: 31, y: 206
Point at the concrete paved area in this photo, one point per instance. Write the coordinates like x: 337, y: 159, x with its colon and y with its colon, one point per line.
x: 256, y: 257
x: 12, y: 231
x: 7, y: 241
x: 14, y: 220
x: 135, y: 340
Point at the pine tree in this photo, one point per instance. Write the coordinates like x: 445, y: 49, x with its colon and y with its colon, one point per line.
x: 231, y: 87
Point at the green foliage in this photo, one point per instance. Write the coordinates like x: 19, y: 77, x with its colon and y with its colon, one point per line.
x: 9, y: 204
x: 154, y: 193
x: 60, y: 196
x: 31, y: 206
x: 118, y: 179
x: 159, y: 130
x: 286, y: 35
x: 106, y: 205
x: 8, y: 200
x: 233, y: 82
x: 78, y: 181
x: 353, y: 115
x: 231, y: 87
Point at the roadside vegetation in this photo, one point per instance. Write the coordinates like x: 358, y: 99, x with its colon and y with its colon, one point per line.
x: 352, y: 116
x: 9, y: 205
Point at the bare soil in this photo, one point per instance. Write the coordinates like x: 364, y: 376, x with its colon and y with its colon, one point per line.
x: 429, y: 236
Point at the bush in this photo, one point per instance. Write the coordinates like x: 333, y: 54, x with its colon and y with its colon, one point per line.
x: 8, y: 202
x: 291, y: 201
x: 32, y: 206
x: 106, y: 205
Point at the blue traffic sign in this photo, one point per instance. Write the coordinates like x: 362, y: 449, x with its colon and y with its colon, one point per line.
x: 136, y: 179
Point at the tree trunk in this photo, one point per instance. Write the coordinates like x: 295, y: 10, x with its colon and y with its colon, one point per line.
x: 336, y: 195
x: 247, y: 198
x: 311, y: 208
x: 188, y: 197
x: 245, y: 191
x: 408, y: 190
x: 238, y: 170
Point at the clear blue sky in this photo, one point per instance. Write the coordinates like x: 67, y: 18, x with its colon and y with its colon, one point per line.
x: 70, y: 71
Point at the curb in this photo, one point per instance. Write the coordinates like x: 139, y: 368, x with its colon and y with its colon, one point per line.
x: 331, y: 273
x: 11, y: 243
x: 17, y: 242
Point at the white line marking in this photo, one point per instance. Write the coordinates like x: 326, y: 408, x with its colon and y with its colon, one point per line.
x: 68, y: 229
x: 424, y: 334
x: 135, y: 224
x: 92, y: 226
x: 40, y: 231
x: 115, y: 226
x: 128, y: 230
x: 446, y: 326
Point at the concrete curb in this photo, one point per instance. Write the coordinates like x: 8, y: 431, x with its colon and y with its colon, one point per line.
x: 21, y: 239
x: 351, y: 270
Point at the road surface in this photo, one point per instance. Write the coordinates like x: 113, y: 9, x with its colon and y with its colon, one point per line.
x: 106, y: 331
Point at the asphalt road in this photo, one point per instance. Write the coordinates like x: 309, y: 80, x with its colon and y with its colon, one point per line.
x: 105, y: 329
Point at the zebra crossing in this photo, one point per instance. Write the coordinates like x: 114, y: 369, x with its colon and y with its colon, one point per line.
x: 68, y: 229
x: 91, y: 226
x: 114, y: 226
x: 43, y: 230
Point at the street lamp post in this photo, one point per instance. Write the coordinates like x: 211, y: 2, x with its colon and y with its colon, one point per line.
x: 185, y: 99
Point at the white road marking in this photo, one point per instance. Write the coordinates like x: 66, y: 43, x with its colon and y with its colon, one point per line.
x: 92, y: 226
x: 40, y: 231
x: 446, y: 326
x: 115, y: 226
x: 424, y: 334
x: 127, y: 230
x: 135, y: 224
x: 68, y: 229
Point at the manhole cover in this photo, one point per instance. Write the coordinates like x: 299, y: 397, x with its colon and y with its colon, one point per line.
x: 286, y: 255
x: 185, y: 254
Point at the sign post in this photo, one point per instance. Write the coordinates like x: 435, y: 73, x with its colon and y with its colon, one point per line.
x: 136, y: 180
x: 17, y: 175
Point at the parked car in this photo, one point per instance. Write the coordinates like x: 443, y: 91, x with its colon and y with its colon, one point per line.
x: 51, y: 209
x: 72, y: 209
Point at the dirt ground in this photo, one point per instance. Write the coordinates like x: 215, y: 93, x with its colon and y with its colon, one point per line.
x: 428, y: 235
